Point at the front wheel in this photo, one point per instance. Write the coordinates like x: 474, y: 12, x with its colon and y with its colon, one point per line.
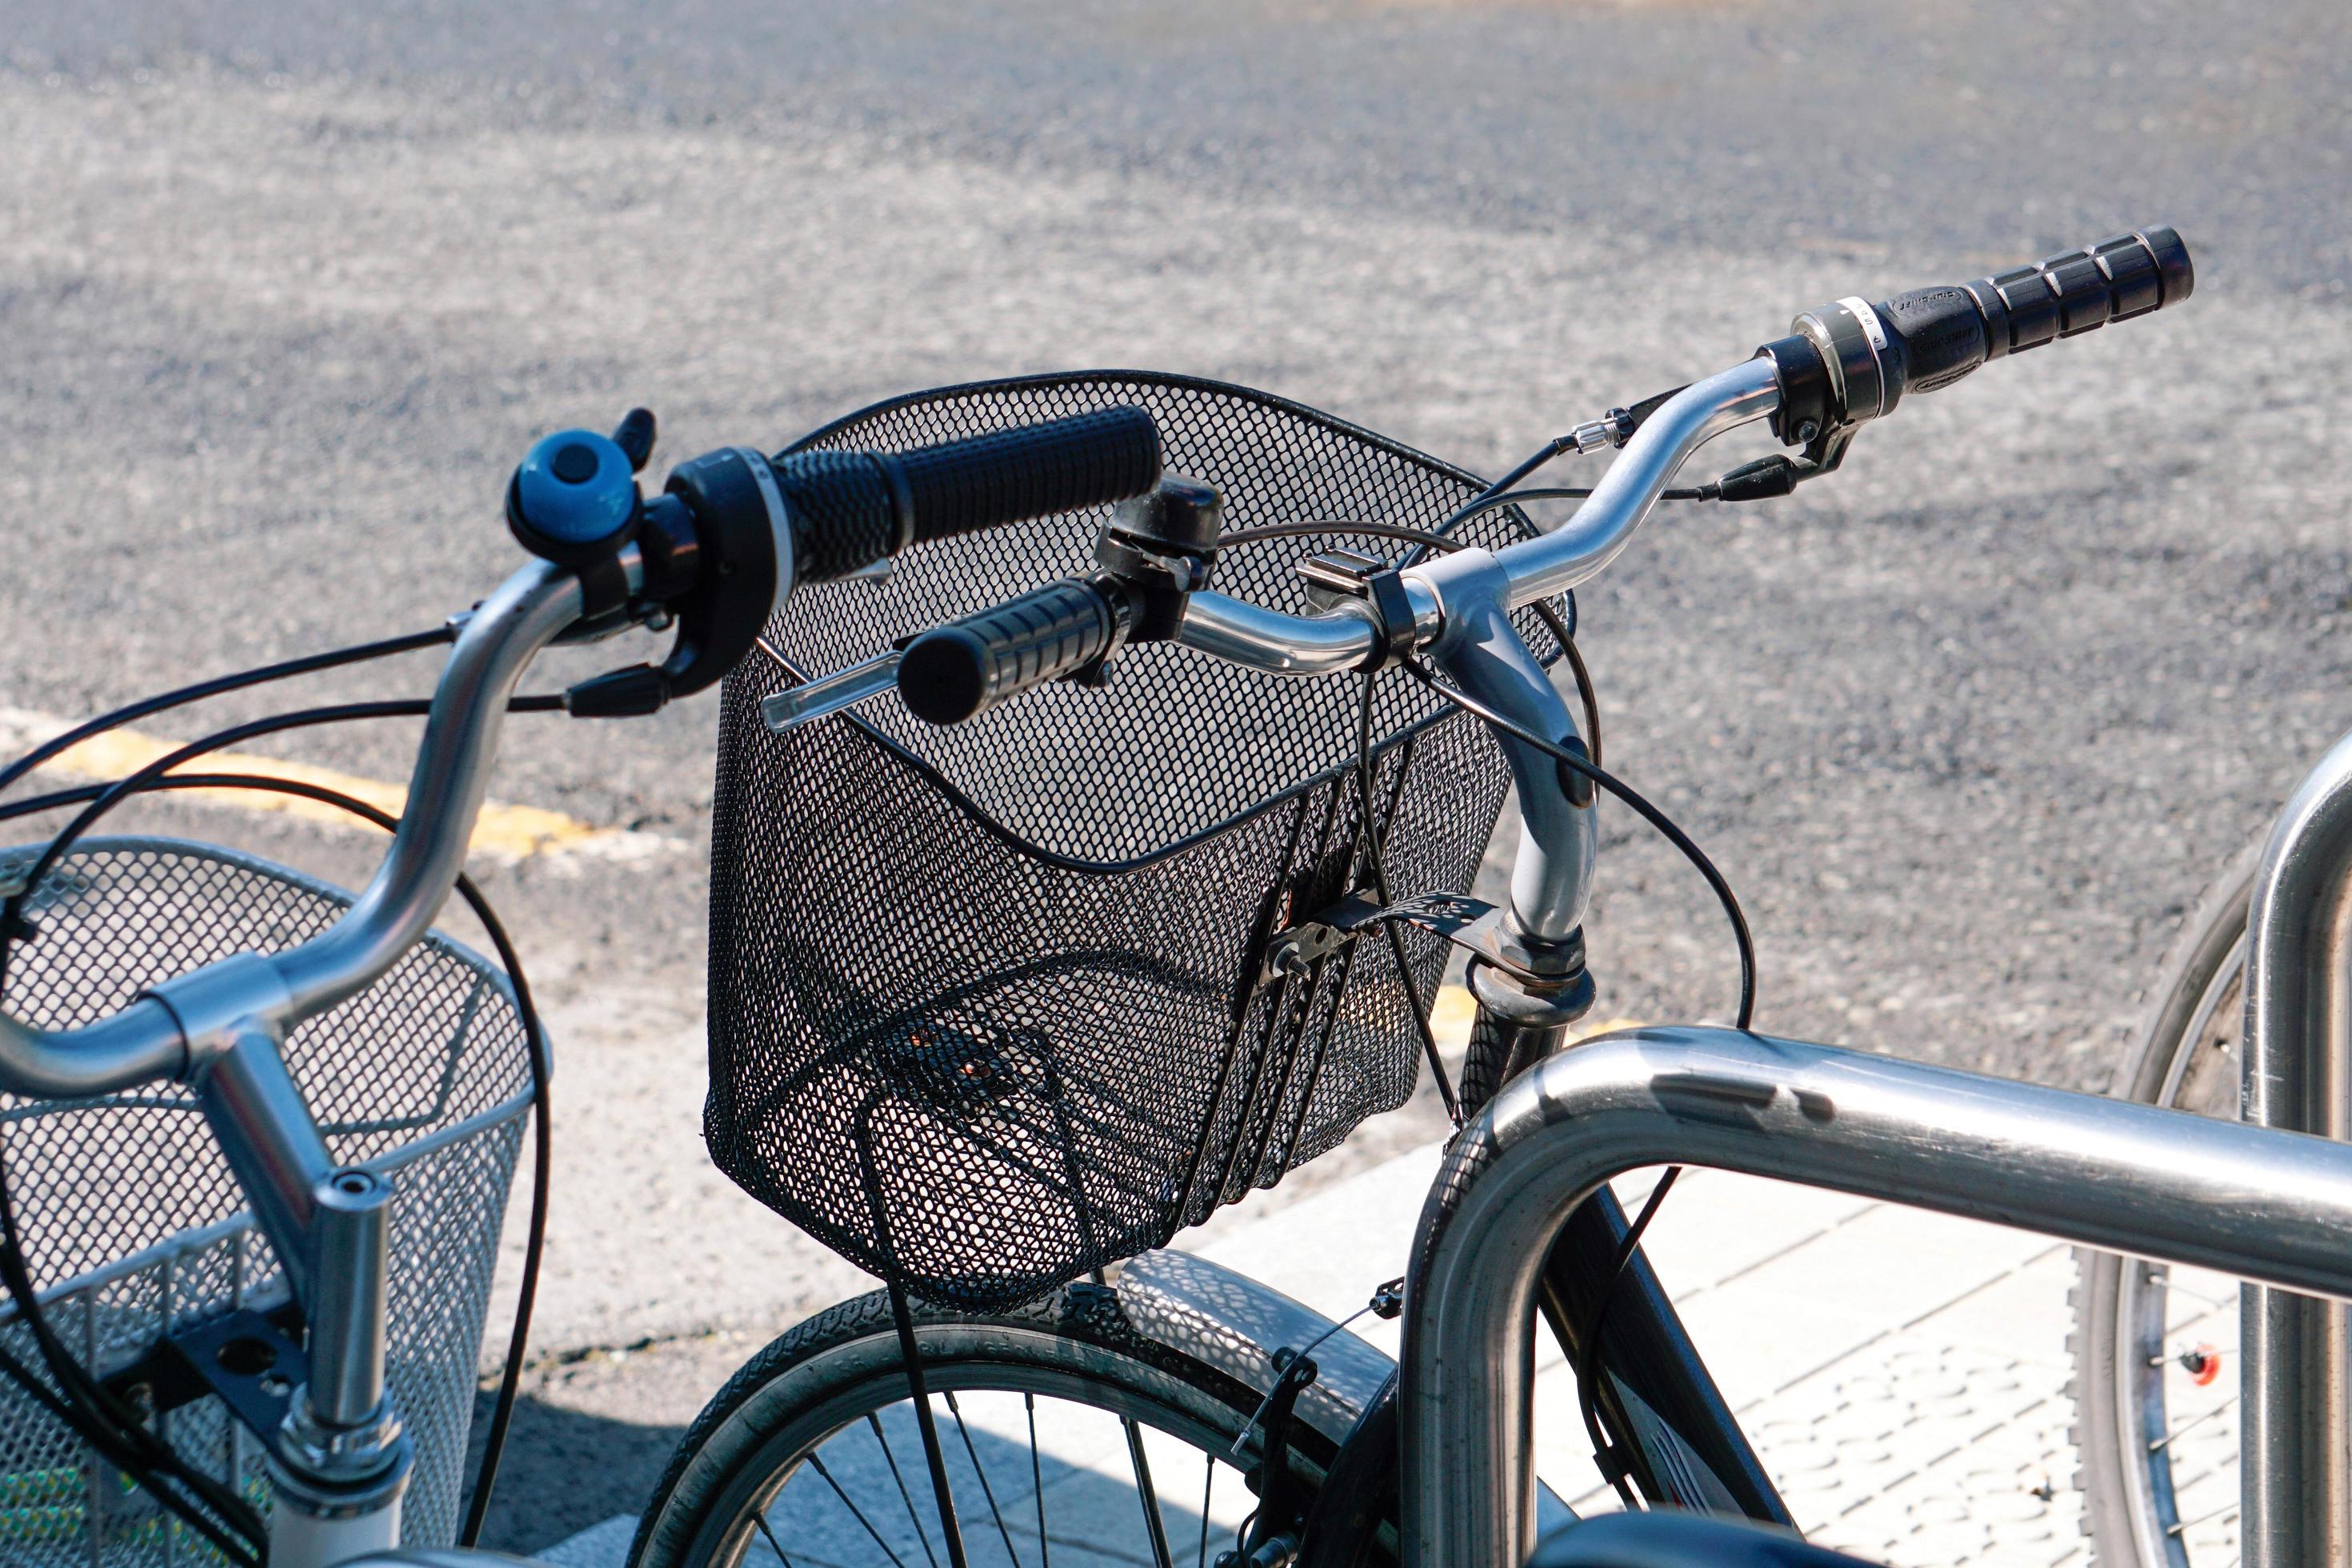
x: 1070, y: 1440
x: 2156, y: 1349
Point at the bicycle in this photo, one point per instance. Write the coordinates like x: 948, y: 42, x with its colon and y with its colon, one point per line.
x: 1342, y: 1457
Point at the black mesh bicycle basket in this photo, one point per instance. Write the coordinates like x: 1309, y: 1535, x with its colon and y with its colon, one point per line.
x: 991, y: 1005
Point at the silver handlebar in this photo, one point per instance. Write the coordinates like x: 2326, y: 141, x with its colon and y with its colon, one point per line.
x: 1259, y: 639
x: 1579, y: 549
x: 175, y: 1028
x: 170, y: 1031
x: 529, y: 610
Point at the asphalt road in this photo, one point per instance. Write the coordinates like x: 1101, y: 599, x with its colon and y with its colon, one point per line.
x: 286, y: 290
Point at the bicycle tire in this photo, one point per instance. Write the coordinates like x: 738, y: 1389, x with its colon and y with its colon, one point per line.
x: 817, y: 1382
x: 2131, y: 1492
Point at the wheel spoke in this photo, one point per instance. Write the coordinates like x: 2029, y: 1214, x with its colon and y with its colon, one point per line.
x: 2229, y: 1511
x: 2192, y: 1422
x: 985, y: 1490
x: 858, y: 1513
x: 904, y: 1495
x: 774, y: 1544
x: 1208, y: 1491
x: 1037, y: 1485
x: 1146, y: 1495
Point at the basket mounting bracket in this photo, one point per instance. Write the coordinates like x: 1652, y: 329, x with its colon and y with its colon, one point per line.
x: 249, y: 1360
x: 1473, y: 924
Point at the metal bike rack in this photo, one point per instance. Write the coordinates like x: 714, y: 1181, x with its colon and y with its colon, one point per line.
x: 2162, y: 1184
x: 2298, y: 1423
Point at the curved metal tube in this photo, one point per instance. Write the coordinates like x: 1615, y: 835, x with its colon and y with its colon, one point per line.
x: 159, y: 1036
x: 2298, y: 1076
x: 138, y: 1045
x: 2157, y: 1184
x: 1579, y: 548
x: 1551, y: 878
x: 1246, y: 634
x: 444, y: 792
x: 1260, y: 639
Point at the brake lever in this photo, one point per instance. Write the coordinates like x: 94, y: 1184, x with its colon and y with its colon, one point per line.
x: 788, y: 710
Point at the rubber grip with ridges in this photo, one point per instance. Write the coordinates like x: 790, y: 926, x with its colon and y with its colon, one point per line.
x: 1937, y: 335
x: 842, y: 515
x: 959, y: 670
x: 1035, y: 471
x: 850, y: 509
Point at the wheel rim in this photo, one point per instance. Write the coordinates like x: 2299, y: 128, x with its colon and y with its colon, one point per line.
x: 2183, y: 1496
x: 848, y: 1485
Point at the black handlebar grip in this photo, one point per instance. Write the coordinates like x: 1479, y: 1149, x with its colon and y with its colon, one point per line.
x: 958, y: 671
x: 850, y: 509
x: 1035, y: 471
x: 1937, y: 335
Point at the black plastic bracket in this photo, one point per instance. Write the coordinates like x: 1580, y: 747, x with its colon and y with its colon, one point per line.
x: 1813, y: 413
x: 1282, y: 1497
x: 1392, y: 607
x: 250, y: 1361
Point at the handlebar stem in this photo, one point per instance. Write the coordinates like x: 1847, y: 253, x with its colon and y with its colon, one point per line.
x: 1551, y: 878
x: 265, y: 1131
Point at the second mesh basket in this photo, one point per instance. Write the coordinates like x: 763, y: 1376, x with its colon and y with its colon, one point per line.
x: 990, y: 1005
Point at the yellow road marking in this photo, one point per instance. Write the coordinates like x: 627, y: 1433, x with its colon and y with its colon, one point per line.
x: 502, y: 832
x: 1451, y: 1015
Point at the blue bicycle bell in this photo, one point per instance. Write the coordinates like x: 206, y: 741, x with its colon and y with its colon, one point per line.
x: 574, y: 497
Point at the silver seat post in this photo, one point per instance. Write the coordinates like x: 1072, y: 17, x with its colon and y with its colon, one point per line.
x: 2294, y: 1489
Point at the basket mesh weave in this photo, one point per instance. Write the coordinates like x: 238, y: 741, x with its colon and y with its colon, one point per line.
x: 985, y: 1002
x: 133, y: 1225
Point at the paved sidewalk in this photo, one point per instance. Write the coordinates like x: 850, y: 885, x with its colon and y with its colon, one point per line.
x: 1903, y: 1374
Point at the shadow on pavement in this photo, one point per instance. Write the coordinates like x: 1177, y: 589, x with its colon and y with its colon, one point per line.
x: 566, y: 1470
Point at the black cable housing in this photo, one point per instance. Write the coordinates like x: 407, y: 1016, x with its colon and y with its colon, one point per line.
x: 1588, y: 1361
x: 217, y: 686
